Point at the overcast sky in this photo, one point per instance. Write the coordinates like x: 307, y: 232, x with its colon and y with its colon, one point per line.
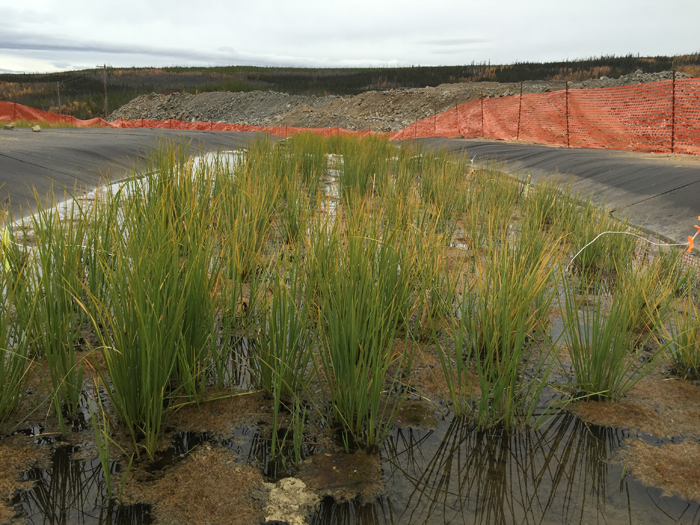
x: 51, y: 35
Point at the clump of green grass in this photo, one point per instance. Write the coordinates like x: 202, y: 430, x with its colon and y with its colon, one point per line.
x: 501, y: 312
x: 550, y: 208
x: 362, y: 301
x: 140, y: 327
x: 599, y: 333
x: 283, y: 341
x: 437, y: 279
x: 57, y: 279
x: 245, y: 220
x: 442, y: 185
x: 684, y: 347
x: 648, y: 289
x: 597, y: 249
x: 296, y: 209
x: 14, y: 318
x: 683, y: 280
x: 491, y: 200
x: 156, y: 315
x: 366, y: 168
x: 307, y: 159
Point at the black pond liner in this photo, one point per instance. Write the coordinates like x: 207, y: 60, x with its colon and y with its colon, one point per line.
x: 559, y: 473
x: 253, y: 449
x: 250, y: 447
x: 183, y: 444
x: 74, y: 492
x: 38, y: 432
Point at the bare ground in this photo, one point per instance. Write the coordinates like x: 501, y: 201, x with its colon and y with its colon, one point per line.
x: 373, y: 110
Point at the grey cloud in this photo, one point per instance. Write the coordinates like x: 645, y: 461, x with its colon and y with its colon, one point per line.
x: 444, y: 42
x: 446, y: 51
x: 454, y: 46
x: 27, y: 42
x: 60, y: 48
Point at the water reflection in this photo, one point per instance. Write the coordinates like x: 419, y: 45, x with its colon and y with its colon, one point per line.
x: 230, y: 367
x: 353, y: 512
x: 74, y: 492
x: 252, y: 448
x: 559, y: 473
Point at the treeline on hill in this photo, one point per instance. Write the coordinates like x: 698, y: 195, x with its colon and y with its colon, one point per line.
x: 77, y: 93
x: 82, y: 93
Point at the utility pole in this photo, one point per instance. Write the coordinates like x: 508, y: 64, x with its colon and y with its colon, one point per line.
x: 105, y: 80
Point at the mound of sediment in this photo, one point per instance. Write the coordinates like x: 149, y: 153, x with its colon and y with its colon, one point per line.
x: 375, y: 110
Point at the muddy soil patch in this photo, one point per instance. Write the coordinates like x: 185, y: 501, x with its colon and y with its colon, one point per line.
x: 343, y: 476
x: 675, y: 467
x: 658, y: 405
x: 207, y: 487
x: 16, y: 457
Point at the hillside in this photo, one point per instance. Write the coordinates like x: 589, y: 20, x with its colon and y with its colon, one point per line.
x: 374, y: 110
x: 82, y: 93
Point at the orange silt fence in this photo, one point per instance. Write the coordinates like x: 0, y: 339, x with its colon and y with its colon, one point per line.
x: 687, y: 116
x: 659, y: 117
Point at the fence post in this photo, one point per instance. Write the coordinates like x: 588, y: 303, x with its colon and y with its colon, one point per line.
x: 673, y: 110
x: 459, y: 132
x: 520, y: 109
x: 482, y: 114
x: 568, y: 145
x: 14, y: 112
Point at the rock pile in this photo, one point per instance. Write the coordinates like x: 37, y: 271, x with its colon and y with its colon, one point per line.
x: 257, y: 108
x: 375, y: 110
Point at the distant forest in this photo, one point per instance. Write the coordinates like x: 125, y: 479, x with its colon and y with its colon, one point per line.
x: 82, y: 93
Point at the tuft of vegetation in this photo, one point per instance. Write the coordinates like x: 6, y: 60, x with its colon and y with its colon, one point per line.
x: 684, y: 332
x: 600, y: 334
x: 16, y: 314
x: 317, y: 270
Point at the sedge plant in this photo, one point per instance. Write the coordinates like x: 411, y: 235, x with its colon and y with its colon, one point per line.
x: 600, y: 340
x: 14, y: 319
x: 684, y: 348
x: 283, y: 346
x: 500, y: 315
x: 57, y: 278
x: 362, y: 302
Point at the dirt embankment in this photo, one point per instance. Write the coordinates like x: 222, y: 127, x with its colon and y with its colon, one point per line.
x: 375, y: 110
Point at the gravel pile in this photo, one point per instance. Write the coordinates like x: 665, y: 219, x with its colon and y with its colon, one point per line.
x: 375, y: 110
x: 638, y: 77
x: 257, y: 108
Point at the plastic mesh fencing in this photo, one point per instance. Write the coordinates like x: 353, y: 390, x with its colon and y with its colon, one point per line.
x: 687, y: 116
x: 659, y: 117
